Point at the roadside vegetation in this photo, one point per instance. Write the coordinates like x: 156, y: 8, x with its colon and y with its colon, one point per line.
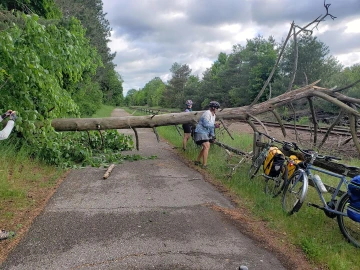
x: 27, y: 181
x: 318, y: 236
x: 24, y: 183
x: 54, y: 66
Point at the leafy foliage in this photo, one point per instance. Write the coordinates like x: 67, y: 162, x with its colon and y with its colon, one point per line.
x: 43, y: 8
x: 42, y: 65
x: 85, y: 148
x: 92, y: 18
x: 45, y: 73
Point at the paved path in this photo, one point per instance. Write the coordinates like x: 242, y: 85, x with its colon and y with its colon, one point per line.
x: 149, y: 214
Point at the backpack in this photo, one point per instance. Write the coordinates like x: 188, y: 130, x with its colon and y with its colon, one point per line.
x: 291, y: 166
x: 274, y: 162
x: 353, y: 210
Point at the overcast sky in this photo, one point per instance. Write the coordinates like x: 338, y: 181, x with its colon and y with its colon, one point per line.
x: 148, y: 36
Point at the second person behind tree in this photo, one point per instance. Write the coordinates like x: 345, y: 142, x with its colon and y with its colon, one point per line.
x: 187, y: 127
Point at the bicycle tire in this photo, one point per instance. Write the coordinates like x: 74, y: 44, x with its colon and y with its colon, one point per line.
x: 295, y: 192
x: 275, y: 185
x: 255, y: 166
x: 348, y: 227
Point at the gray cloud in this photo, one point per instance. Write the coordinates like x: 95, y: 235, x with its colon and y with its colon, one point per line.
x: 340, y: 44
x: 302, y: 12
x: 151, y: 35
x: 215, y: 12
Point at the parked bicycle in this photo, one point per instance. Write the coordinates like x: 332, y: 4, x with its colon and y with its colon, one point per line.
x: 296, y: 189
x: 274, y: 185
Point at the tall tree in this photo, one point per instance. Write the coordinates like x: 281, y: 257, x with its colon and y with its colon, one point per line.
x: 44, y: 8
x: 98, y: 30
x: 258, y: 58
x: 191, y: 91
x: 352, y: 74
x: 175, y: 89
x: 214, y: 85
x: 41, y: 67
x: 314, y: 61
x: 129, y: 99
x: 154, y: 92
x: 235, y: 79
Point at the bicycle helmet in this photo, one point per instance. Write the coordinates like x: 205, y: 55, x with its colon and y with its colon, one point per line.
x: 214, y: 104
x: 188, y: 102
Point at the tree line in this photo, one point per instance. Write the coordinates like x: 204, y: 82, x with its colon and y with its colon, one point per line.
x: 236, y: 78
x: 55, y: 63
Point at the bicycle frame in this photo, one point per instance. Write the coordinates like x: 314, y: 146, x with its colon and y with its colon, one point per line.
x: 296, y: 189
x: 311, y: 167
x: 257, y: 161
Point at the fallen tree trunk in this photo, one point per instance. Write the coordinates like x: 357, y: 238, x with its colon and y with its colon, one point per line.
x: 239, y: 113
x: 245, y: 113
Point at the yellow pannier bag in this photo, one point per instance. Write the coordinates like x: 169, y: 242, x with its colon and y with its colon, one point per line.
x: 291, y: 165
x: 274, y: 162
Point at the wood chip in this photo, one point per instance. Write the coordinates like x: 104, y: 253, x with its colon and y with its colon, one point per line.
x: 107, y: 173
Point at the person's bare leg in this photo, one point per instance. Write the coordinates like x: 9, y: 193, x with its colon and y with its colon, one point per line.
x: 185, y: 139
x: 201, y: 154
x: 206, y: 148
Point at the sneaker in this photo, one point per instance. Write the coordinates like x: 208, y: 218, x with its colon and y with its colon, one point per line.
x: 197, y: 162
x: 5, y: 234
x: 204, y: 166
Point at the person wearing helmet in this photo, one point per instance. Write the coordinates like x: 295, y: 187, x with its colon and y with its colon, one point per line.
x: 205, y: 132
x: 4, y: 134
x: 187, y: 127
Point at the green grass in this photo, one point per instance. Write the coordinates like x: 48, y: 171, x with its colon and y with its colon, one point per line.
x: 25, y: 182
x: 317, y: 235
x: 105, y: 111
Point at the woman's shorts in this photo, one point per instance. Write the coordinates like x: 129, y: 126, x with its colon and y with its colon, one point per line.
x: 187, y: 128
x: 201, y: 138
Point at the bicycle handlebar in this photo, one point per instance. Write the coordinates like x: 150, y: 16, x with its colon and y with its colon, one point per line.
x: 314, y: 154
x: 271, y: 138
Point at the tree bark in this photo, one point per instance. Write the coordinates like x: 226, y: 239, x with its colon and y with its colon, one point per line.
x: 239, y: 113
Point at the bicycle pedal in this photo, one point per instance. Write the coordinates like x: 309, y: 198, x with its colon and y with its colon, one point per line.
x: 315, y: 205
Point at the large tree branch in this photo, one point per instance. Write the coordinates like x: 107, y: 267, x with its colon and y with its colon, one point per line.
x: 346, y: 87
x: 317, y: 20
x: 240, y: 113
x: 296, y: 57
x: 337, y: 102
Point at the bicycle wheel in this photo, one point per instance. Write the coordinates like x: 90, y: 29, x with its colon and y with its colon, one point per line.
x: 294, y: 192
x: 255, y: 166
x: 275, y: 185
x: 348, y: 227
